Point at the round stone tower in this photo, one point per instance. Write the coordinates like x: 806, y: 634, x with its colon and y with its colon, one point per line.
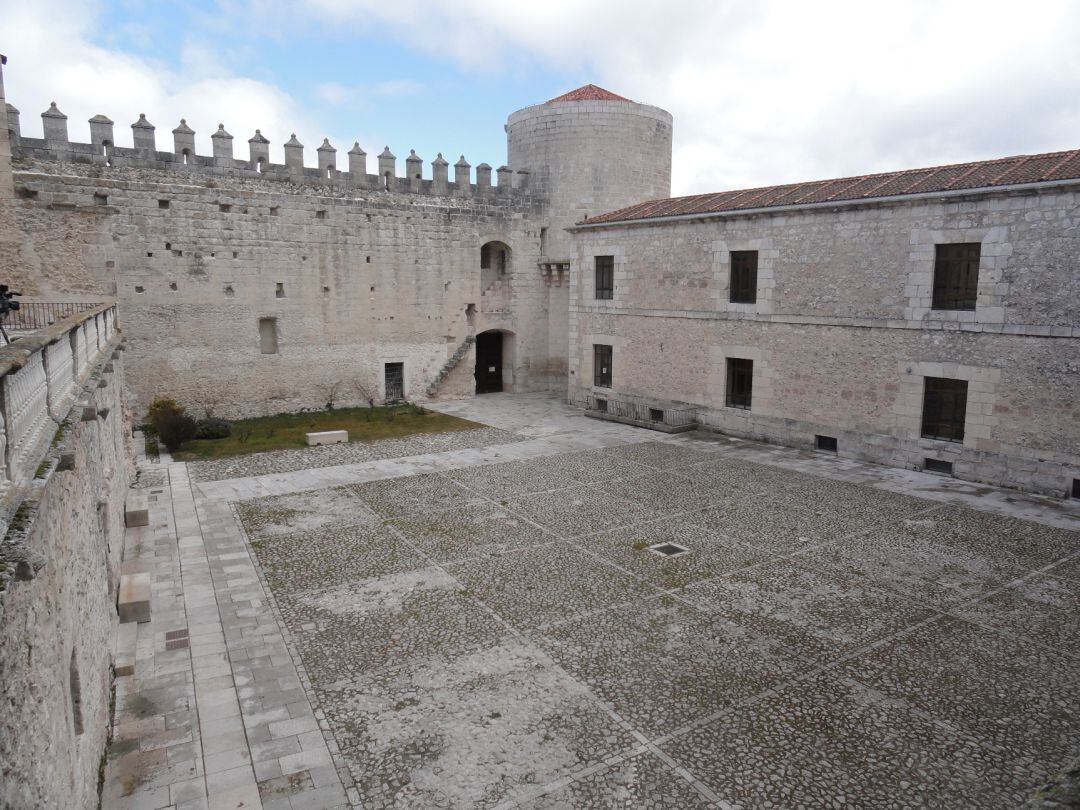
x: 588, y: 152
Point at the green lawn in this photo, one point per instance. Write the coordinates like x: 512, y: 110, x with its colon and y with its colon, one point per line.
x: 287, y: 430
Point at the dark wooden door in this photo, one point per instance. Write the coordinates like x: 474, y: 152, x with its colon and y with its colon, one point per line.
x: 489, y: 347
x: 394, y: 381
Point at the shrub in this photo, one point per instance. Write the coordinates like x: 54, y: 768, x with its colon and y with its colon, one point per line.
x: 175, y: 428
x: 213, y: 428
x: 171, y: 423
x: 159, y: 406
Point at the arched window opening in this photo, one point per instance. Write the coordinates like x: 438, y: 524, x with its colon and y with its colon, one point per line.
x: 494, y: 263
x: 105, y: 147
x: 259, y: 165
x: 329, y: 173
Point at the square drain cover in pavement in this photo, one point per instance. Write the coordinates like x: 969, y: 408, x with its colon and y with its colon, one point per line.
x: 669, y: 549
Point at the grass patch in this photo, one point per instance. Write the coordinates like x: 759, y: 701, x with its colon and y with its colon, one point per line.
x: 286, y: 430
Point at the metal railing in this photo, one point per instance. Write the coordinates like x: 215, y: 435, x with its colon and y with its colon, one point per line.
x: 642, y: 411
x: 34, y: 315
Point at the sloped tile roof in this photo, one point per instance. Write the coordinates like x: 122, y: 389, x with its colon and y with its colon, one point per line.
x: 980, y: 174
x: 589, y: 92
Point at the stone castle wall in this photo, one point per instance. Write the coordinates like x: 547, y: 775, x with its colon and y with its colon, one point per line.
x: 842, y: 333
x: 59, y: 571
x: 353, y: 279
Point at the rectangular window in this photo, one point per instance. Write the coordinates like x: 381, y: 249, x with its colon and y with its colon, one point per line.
x: 656, y: 414
x: 826, y: 444
x: 605, y: 277
x: 743, y: 287
x: 268, y: 335
x: 956, y: 275
x: 1076, y: 488
x: 601, y: 365
x: 944, y: 406
x: 740, y: 383
x: 937, y: 465
x: 601, y: 405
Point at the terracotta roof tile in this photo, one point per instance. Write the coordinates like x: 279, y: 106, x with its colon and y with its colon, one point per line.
x: 980, y: 174
x: 589, y: 92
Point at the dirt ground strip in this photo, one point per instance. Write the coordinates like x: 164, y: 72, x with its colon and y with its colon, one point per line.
x: 505, y: 635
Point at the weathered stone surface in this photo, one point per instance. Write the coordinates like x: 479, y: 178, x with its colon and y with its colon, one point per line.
x: 133, y: 598
x: 326, y: 437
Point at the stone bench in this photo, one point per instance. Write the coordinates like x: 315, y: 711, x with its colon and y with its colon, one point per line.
x: 327, y: 437
x: 133, y: 600
x: 136, y: 509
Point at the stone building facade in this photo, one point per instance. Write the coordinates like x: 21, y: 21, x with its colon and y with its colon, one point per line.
x: 249, y: 287
x: 820, y: 325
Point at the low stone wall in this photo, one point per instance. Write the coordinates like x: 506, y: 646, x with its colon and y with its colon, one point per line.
x: 63, y: 505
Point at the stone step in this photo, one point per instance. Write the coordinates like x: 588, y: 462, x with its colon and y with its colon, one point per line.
x: 133, y: 600
x: 124, y: 649
x: 136, y: 509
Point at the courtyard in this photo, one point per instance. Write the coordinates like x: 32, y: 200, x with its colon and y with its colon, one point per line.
x: 573, y: 613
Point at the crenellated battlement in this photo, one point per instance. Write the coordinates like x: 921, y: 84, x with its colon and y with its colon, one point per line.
x: 102, y: 150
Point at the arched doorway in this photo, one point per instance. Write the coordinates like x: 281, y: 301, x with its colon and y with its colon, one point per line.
x: 494, y: 361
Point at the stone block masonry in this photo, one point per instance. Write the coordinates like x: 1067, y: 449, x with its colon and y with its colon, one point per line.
x: 62, y: 506
x: 842, y: 335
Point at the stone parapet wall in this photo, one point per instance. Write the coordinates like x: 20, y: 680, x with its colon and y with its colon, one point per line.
x: 59, y: 571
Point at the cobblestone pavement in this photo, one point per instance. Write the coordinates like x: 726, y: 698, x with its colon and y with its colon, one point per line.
x: 489, y: 627
x: 332, y: 455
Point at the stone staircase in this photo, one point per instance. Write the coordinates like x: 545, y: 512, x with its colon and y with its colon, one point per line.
x: 450, y: 364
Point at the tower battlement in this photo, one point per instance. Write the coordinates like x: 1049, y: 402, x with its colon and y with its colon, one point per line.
x: 102, y: 150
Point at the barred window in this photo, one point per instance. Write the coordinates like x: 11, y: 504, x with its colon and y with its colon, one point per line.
x: 956, y: 275
x: 743, y: 287
x: 740, y: 383
x: 601, y: 365
x: 944, y: 409
x: 605, y: 277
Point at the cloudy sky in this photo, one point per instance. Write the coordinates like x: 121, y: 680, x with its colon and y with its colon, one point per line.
x: 762, y: 92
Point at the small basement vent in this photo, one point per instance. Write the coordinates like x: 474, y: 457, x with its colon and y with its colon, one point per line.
x: 601, y: 405
x: 937, y: 465
x: 669, y: 549
x: 656, y: 414
x: 825, y: 443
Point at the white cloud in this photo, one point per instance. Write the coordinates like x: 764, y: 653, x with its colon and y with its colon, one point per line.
x: 761, y: 93
x: 54, y: 58
x: 783, y: 91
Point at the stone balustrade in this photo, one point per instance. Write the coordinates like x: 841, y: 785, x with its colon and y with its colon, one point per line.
x: 40, y: 376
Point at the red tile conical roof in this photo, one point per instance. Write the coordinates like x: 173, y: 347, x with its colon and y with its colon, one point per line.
x: 590, y: 92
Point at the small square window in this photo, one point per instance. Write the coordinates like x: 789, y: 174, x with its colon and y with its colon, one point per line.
x: 656, y: 414
x: 937, y: 465
x: 743, y: 287
x: 602, y: 365
x: 740, y: 383
x: 956, y: 276
x: 944, y: 409
x: 224, y: 208
x: 162, y: 203
x: 826, y: 444
x: 274, y: 211
x: 321, y: 214
x: 279, y: 291
x: 605, y: 278
x: 101, y: 199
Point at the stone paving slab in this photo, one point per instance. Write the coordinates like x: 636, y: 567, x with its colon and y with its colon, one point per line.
x: 486, y: 627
